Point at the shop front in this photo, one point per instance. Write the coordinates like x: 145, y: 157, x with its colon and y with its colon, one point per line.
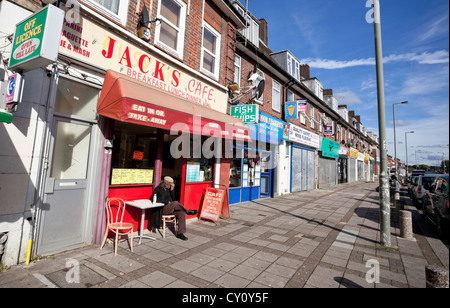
x: 353, y: 156
x: 303, y: 158
x: 157, y: 134
x: 361, y: 168
x: 343, y: 164
x: 328, y: 167
x: 253, y: 167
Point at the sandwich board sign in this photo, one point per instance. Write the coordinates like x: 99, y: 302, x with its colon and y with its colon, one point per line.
x: 215, y: 205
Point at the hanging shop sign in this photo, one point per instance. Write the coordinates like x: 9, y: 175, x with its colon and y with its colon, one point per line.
x: 344, y: 150
x: 330, y: 148
x: 269, y: 130
x: 13, y: 89
x: 93, y: 44
x: 291, y: 111
x: 247, y: 113
x: 354, y: 153
x: 36, y: 40
x: 328, y: 130
x: 366, y: 157
x: 303, y: 136
x: 302, y: 105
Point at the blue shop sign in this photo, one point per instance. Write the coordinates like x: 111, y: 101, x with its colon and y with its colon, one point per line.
x: 269, y: 130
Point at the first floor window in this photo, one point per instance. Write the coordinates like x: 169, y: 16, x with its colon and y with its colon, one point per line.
x: 211, y: 51
x: 170, y: 32
x: 116, y: 9
x: 276, y: 96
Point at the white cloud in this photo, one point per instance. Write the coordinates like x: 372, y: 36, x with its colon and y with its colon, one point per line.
x: 348, y: 97
x: 437, y: 57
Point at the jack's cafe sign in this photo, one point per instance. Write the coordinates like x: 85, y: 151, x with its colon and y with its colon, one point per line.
x: 90, y: 43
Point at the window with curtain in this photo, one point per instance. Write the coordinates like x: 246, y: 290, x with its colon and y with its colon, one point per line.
x: 170, y: 32
x: 112, y: 5
x: 115, y: 9
x: 211, y: 51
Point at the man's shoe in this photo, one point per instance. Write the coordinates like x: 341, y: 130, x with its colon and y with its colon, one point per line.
x: 192, y: 212
x: 182, y: 237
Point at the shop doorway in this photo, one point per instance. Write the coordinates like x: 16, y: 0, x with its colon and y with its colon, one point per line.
x: 70, y: 188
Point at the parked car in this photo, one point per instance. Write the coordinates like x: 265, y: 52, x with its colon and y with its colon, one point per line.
x: 435, y: 204
x: 412, y: 183
x: 417, y: 173
x: 423, y: 184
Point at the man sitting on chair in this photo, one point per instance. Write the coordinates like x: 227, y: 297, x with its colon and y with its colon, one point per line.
x: 165, y: 194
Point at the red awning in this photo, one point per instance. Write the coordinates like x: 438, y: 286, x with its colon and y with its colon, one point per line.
x: 129, y: 100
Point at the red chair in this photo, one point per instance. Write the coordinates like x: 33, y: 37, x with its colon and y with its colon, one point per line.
x: 115, y: 209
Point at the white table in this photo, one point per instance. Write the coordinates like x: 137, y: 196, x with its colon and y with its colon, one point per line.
x: 144, y: 205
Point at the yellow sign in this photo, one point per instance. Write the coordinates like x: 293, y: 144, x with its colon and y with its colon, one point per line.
x: 366, y: 157
x: 354, y: 153
x: 131, y: 176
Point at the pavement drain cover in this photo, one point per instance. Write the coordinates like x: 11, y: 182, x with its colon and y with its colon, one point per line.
x: 248, y: 224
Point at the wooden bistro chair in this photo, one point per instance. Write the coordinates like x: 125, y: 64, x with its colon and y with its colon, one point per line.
x: 169, y: 219
x: 115, y: 223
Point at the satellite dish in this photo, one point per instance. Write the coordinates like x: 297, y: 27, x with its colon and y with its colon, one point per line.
x: 260, y: 89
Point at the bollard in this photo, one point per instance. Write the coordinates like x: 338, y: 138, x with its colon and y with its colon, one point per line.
x: 436, y: 277
x: 399, y: 207
x: 406, y: 230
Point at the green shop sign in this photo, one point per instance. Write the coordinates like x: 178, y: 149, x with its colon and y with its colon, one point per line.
x: 36, y: 40
x: 247, y: 113
x: 330, y: 148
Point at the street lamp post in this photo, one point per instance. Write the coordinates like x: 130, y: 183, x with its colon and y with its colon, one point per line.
x: 406, y: 142
x: 395, y: 138
x: 385, y: 210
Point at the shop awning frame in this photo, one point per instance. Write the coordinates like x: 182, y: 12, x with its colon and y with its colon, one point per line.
x: 129, y: 100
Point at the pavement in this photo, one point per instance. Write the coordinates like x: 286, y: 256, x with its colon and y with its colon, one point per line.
x: 327, y: 238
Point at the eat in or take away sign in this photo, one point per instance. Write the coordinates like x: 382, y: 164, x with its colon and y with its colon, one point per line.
x: 36, y: 40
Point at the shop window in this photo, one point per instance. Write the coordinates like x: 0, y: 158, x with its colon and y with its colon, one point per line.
x: 170, y: 31
x: 210, y: 51
x: 115, y: 9
x: 251, y: 172
x: 199, y: 170
x: 235, y: 172
x: 133, y: 155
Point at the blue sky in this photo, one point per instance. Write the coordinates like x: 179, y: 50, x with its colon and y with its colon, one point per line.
x: 335, y: 39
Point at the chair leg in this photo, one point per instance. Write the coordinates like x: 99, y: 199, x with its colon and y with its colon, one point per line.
x: 164, y: 228
x: 104, y: 239
x: 116, y: 243
x: 130, y: 239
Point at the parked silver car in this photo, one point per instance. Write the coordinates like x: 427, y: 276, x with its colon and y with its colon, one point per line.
x: 423, y: 184
x: 435, y: 204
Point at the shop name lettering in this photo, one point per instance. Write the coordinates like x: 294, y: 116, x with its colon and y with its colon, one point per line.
x: 147, y: 118
x: 158, y: 74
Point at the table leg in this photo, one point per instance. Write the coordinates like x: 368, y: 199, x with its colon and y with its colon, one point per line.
x: 141, y: 232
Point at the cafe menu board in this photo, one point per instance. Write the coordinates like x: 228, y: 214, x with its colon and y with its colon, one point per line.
x: 131, y: 176
x: 212, y: 204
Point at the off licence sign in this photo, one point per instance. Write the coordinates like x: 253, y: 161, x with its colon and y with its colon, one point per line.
x: 247, y: 113
x: 28, y: 38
